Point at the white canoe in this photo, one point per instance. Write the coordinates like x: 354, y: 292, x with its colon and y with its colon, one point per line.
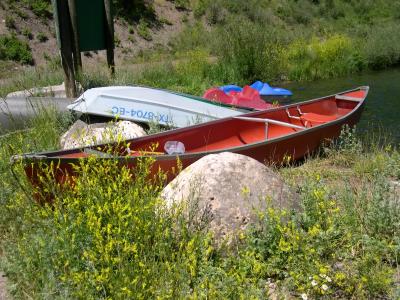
x: 143, y: 104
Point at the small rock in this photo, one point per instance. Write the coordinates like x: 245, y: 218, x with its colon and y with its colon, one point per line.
x: 81, y: 134
x: 225, y: 191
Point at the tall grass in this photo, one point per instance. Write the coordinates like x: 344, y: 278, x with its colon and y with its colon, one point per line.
x: 30, y: 78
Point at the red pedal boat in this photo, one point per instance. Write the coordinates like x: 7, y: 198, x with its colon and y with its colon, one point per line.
x: 267, y: 136
x: 247, y: 98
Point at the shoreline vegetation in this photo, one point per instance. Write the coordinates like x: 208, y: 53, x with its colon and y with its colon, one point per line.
x: 235, y: 42
x: 111, y: 238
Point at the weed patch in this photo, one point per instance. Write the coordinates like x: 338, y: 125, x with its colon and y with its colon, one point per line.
x: 11, y: 48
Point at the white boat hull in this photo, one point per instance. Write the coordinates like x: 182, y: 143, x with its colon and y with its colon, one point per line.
x: 142, y: 104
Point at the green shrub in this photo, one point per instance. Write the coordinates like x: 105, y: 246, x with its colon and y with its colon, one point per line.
x: 134, y: 10
x: 27, y: 33
x: 200, y: 7
x: 42, y: 37
x: 10, y: 22
x: 22, y: 14
x: 192, y: 37
x: 334, y: 56
x: 41, y: 8
x: 181, y: 4
x: 11, y: 48
x: 143, y: 30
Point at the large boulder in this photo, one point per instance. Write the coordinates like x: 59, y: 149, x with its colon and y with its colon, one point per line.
x: 226, y: 191
x: 81, y: 134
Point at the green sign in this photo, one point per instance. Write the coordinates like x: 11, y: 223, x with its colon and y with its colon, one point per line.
x: 91, y: 21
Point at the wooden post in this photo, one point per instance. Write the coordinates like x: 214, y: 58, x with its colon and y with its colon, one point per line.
x: 66, y: 36
x: 75, y: 43
x: 109, y: 36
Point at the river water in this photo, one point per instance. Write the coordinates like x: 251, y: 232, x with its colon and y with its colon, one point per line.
x: 383, y: 102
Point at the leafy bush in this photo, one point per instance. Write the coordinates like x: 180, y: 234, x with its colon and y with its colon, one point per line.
x: 12, y: 48
x: 181, y: 4
x: 27, y: 33
x: 134, y: 10
x: 10, y: 22
x: 143, y: 30
x: 42, y: 37
x: 334, y: 56
x: 41, y: 8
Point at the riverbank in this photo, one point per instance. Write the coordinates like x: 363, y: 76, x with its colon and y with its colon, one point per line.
x: 344, y: 244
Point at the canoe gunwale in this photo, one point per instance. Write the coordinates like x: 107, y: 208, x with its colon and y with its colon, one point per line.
x: 43, y: 156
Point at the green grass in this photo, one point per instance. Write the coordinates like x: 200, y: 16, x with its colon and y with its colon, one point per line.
x: 110, y: 236
x: 33, y: 77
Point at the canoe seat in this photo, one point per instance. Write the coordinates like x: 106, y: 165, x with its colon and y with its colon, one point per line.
x: 310, y: 119
x: 228, y: 142
x: 316, y: 119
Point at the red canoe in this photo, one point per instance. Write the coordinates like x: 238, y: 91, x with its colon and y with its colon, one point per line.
x: 267, y: 136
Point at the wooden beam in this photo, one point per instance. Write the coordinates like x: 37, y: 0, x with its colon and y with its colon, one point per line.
x: 75, y: 35
x: 109, y: 36
x: 66, y: 48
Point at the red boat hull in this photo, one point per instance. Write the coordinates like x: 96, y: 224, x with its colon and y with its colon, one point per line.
x: 288, y: 138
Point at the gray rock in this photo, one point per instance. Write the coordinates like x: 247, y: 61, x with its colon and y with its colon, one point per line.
x: 225, y: 191
x: 81, y: 134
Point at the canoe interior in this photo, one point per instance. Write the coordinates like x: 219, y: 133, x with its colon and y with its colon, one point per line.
x: 233, y: 132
